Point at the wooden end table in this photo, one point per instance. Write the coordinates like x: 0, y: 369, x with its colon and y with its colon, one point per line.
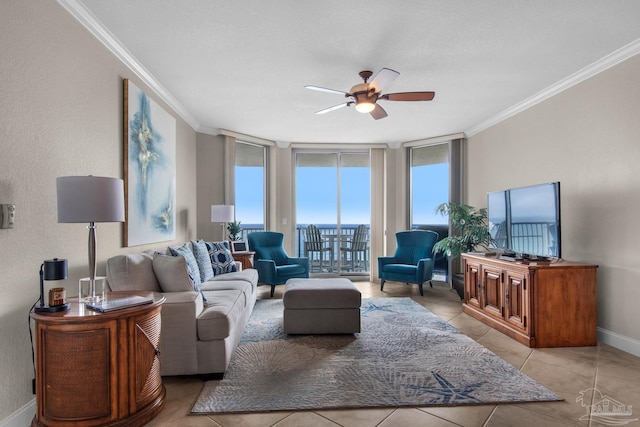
x: 99, y: 369
x: 245, y: 258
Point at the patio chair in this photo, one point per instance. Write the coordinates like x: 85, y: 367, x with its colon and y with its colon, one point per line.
x: 356, y: 249
x: 314, y: 243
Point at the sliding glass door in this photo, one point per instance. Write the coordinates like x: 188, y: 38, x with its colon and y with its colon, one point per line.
x: 333, y: 211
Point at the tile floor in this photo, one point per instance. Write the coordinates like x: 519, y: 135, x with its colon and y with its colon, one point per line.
x: 566, y: 371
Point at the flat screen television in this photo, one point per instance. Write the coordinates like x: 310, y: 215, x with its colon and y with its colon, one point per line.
x: 525, y: 221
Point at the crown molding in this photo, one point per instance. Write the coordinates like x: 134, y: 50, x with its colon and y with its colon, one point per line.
x: 208, y: 130
x: 89, y: 21
x: 247, y: 138
x: 587, y: 72
x: 434, y: 140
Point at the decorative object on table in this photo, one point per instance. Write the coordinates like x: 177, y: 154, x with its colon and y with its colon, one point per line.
x: 222, y: 214
x: 404, y: 356
x: 90, y: 199
x: 235, y: 231
x: 470, y: 229
x: 239, y: 246
x: 91, y: 291
x: 149, y: 169
x: 52, y: 269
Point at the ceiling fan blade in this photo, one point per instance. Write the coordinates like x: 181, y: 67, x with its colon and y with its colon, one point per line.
x: 378, y: 113
x: 384, y: 77
x: 335, y: 107
x: 324, y: 89
x: 409, y: 96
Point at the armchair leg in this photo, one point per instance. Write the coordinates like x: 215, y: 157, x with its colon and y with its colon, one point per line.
x: 273, y: 289
x: 381, y: 285
x: 430, y: 283
x: 420, y: 288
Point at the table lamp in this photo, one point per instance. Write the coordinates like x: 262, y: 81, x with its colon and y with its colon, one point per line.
x: 90, y: 199
x: 51, y: 269
x: 222, y: 214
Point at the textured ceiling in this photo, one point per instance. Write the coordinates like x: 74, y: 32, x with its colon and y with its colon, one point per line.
x: 242, y: 65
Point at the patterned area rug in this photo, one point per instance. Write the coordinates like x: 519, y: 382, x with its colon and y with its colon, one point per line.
x: 405, y: 356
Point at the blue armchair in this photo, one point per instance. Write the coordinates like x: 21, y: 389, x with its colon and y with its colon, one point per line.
x: 274, y: 266
x: 413, y: 260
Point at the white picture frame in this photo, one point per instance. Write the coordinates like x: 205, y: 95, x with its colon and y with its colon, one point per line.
x: 239, y: 246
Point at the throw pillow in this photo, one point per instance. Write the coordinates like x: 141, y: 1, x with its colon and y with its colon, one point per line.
x: 221, y: 258
x: 201, y: 253
x: 172, y: 273
x: 192, y: 264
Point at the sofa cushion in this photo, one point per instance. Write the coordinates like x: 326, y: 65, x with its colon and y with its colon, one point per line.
x: 132, y: 272
x: 249, y: 275
x: 192, y: 264
x: 222, y: 313
x: 247, y: 288
x: 172, y: 273
x: 201, y: 254
x: 221, y: 258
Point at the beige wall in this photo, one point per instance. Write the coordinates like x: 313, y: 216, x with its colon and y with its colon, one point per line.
x: 588, y: 138
x: 60, y: 114
x: 210, y: 188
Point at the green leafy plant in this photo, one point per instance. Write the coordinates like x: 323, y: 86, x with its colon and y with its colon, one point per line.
x: 235, y: 231
x: 470, y: 229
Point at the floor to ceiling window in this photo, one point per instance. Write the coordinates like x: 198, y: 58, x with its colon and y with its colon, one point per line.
x: 333, y: 200
x: 250, y: 186
x: 429, y: 187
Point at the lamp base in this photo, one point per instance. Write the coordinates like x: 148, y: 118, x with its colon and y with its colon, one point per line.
x: 51, y: 309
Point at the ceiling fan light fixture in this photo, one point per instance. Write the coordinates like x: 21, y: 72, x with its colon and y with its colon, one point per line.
x: 365, y: 106
x: 365, y: 101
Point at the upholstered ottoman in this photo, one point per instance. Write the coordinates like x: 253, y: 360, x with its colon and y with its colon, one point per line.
x: 321, y: 306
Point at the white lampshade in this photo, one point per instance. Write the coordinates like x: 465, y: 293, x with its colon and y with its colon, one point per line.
x: 90, y: 199
x: 222, y: 213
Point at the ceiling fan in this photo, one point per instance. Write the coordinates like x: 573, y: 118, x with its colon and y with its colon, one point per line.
x: 365, y: 95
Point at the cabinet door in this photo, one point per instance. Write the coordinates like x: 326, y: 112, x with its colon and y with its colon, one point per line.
x: 492, y: 291
x: 145, y: 383
x: 516, y: 301
x: 76, y: 376
x: 472, y: 284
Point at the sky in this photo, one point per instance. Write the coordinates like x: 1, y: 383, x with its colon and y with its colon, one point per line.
x: 317, y: 194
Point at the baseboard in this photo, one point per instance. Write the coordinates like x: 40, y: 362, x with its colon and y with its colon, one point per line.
x: 22, y: 417
x: 618, y: 341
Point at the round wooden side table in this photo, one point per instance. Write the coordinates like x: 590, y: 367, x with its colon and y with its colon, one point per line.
x: 99, y: 369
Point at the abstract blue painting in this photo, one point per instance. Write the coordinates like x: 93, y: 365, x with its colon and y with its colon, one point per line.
x: 150, y: 169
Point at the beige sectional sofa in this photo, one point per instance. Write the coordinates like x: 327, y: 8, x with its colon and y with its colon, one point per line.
x: 200, y: 329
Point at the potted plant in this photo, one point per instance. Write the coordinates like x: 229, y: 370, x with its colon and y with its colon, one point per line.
x: 235, y: 231
x: 469, y: 231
